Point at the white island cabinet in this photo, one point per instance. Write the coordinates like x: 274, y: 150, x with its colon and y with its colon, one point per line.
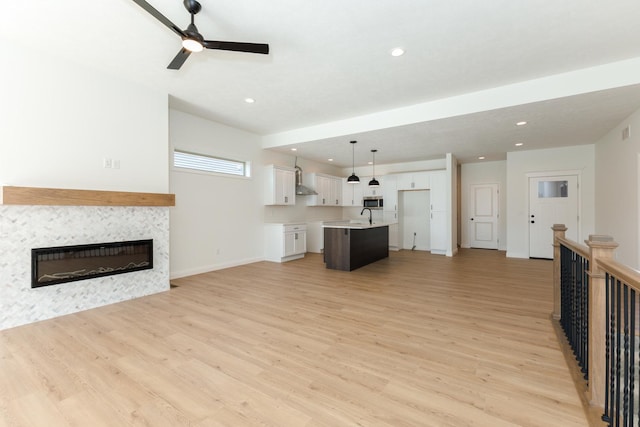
x: 280, y: 185
x: 285, y: 242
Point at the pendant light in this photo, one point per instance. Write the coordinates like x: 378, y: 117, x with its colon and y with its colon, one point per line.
x: 374, y: 182
x: 353, y: 179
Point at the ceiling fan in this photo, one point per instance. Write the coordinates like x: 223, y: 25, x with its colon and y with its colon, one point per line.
x: 192, y: 40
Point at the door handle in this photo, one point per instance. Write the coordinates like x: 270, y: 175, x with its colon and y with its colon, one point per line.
x: 533, y: 222
x: 471, y: 219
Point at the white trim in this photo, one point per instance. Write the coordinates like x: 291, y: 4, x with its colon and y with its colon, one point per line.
x: 212, y: 267
x: 554, y: 173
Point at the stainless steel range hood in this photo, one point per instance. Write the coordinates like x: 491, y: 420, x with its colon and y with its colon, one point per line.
x: 302, y: 190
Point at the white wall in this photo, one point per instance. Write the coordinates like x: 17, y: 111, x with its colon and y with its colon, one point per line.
x: 217, y: 220
x: 484, y: 173
x: 58, y: 121
x: 520, y: 163
x: 617, y: 188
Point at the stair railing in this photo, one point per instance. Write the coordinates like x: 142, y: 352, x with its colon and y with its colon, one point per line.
x: 609, y: 355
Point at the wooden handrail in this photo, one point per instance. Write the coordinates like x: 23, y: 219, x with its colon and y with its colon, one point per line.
x: 621, y: 272
x: 576, y: 247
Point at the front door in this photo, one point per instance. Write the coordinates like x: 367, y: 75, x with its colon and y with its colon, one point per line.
x: 483, y: 221
x: 552, y: 200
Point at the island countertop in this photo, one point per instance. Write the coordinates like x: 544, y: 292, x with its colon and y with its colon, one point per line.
x: 355, y: 225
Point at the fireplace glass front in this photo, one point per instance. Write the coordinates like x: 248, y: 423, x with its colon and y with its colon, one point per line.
x: 50, y: 266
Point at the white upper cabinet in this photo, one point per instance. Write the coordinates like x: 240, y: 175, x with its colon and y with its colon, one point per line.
x: 414, y: 181
x: 389, y: 185
x: 370, y: 191
x: 352, y: 193
x: 280, y: 185
x: 329, y: 189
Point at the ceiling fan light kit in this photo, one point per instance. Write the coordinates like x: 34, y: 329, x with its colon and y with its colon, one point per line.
x: 192, y: 40
x: 192, y: 45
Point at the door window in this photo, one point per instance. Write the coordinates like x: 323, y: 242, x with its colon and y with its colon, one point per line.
x: 548, y: 189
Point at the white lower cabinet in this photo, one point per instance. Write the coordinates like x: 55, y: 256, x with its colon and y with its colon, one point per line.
x: 393, y: 237
x: 285, y: 242
x: 391, y: 217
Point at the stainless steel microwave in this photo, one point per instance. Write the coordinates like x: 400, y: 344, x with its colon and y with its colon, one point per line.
x: 372, y: 202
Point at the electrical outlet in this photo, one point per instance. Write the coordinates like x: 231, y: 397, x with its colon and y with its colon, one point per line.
x: 107, y: 163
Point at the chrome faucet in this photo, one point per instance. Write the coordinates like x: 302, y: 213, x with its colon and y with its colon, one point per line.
x: 370, y: 219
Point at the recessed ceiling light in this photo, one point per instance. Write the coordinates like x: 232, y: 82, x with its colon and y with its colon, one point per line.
x: 521, y: 123
x: 331, y: 160
x: 369, y: 163
x: 249, y: 100
x: 294, y: 149
x: 481, y: 158
x: 398, y: 51
x: 519, y: 144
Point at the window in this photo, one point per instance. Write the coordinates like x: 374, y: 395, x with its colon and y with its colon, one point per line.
x: 547, y: 189
x: 205, y: 163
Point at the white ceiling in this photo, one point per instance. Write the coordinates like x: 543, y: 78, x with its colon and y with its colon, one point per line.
x: 330, y: 67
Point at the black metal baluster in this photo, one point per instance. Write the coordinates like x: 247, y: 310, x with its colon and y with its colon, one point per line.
x: 632, y: 357
x: 577, y: 306
x: 625, y: 390
x: 606, y: 416
x: 616, y: 412
x: 584, y: 327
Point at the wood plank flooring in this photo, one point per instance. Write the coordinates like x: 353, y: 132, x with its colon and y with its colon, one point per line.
x: 412, y: 340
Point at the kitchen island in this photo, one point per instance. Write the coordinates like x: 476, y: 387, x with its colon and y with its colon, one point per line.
x: 349, y: 245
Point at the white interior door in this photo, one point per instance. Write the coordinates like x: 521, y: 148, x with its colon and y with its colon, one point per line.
x: 552, y: 200
x: 483, y: 221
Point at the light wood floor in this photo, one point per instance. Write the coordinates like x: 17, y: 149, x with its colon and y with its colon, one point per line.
x: 413, y: 340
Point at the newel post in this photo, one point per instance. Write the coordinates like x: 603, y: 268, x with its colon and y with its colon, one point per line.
x: 558, y: 232
x: 600, y: 247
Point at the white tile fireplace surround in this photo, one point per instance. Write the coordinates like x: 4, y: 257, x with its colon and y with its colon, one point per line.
x: 25, y: 227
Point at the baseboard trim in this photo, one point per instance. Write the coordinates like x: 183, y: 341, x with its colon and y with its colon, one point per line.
x: 208, y: 268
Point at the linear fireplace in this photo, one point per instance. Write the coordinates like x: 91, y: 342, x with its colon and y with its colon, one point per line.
x: 50, y: 266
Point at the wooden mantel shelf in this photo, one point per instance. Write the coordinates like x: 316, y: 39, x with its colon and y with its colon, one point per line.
x: 66, y: 197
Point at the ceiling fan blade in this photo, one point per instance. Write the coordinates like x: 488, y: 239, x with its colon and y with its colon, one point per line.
x: 237, y: 46
x: 179, y: 59
x: 160, y: 17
